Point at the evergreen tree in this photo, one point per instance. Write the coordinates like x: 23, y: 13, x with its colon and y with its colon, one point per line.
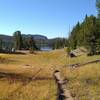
x: 32, y: 44
x: 25, y: 44
x: 86, y: 34
x: 0, y: 44
x: 73, y: 39
x: 17, y: 40
x: 98, y: 7
x: 60, y: 43
x: 98, y: 26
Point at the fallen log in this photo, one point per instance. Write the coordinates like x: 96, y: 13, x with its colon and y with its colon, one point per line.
x: 19, y: 76
x: 63, y: 92
x: 22, y: 85
x: 83, y: 64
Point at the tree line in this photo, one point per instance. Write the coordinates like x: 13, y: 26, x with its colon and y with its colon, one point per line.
x: 87, y: 33
x: 19, y: 43
x: 59, y: 43
x: 23, y: 43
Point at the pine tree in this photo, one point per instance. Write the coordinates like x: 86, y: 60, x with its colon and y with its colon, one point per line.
x: 86, y: 34
x: 98, y: 7
x: 0, y: 44
x: 17, y: 40
x: 32, y: 44
x: 73, y: 39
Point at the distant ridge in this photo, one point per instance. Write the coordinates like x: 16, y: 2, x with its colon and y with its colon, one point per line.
x: 35, y: 36
x: 40, y: 40
x: 7, y: 38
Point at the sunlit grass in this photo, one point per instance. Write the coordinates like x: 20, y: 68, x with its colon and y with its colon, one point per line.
x: 84, y: 82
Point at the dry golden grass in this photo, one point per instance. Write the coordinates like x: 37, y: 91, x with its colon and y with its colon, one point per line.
x: 84, y: 82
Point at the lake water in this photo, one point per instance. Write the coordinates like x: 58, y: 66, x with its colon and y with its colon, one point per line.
x: 46, y: 48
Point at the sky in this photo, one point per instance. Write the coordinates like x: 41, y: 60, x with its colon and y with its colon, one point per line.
x: 52, y: 18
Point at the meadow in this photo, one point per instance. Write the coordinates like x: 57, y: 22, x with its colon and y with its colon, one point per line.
x: 83, y: 82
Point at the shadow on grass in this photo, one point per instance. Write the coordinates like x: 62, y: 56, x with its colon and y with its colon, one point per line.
x: 8, y: 52
x: 21, y: 77
x: 6, y: 60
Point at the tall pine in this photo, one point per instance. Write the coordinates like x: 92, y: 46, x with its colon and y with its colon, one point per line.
x: 17, y: 40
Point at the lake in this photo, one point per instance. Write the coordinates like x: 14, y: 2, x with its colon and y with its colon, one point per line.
x: 46, y: 48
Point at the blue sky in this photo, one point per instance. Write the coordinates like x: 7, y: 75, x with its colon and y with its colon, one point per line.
x: 52, y: 18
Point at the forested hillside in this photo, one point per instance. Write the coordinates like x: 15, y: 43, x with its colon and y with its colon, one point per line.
x: 87, y: 33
